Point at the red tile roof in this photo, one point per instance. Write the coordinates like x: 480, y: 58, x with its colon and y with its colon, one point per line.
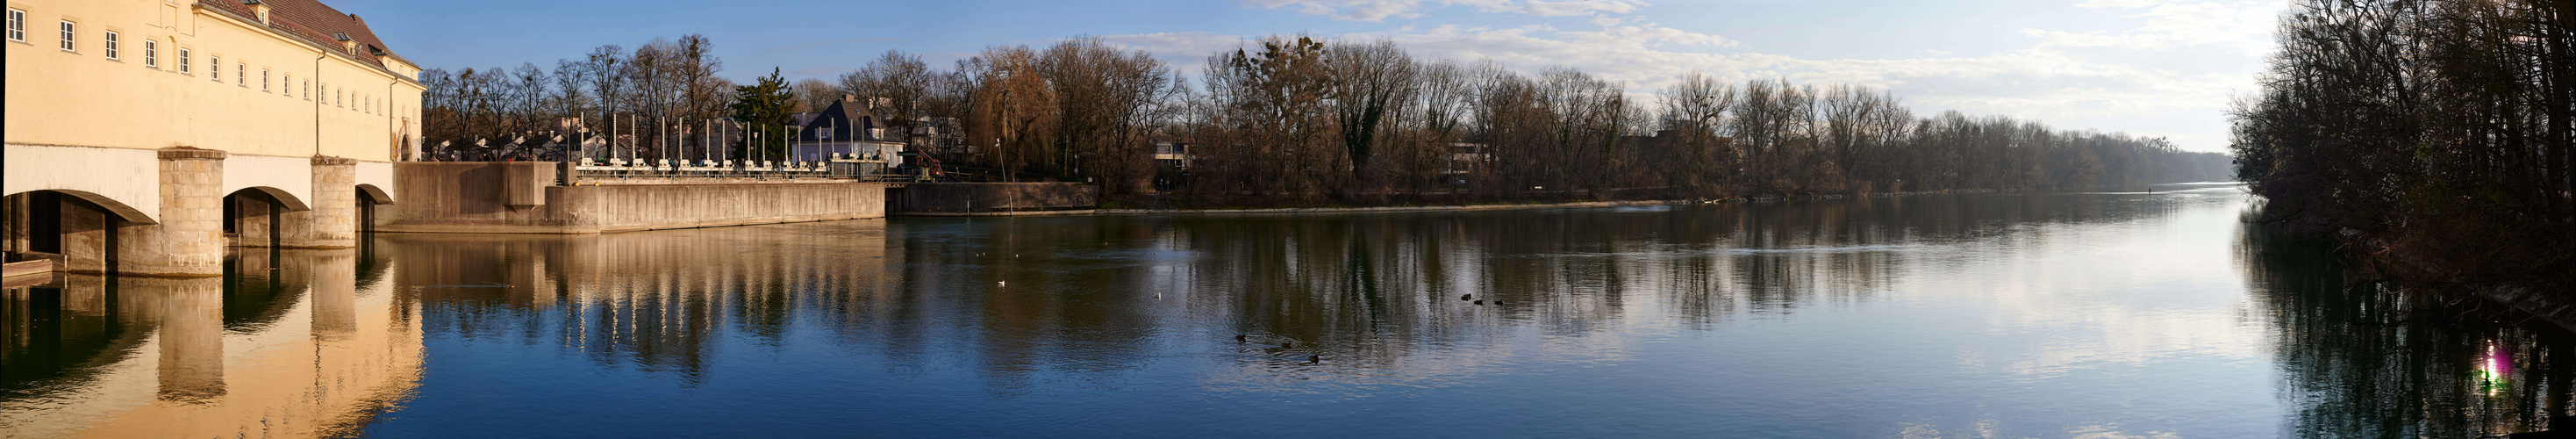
x: 311, y: 20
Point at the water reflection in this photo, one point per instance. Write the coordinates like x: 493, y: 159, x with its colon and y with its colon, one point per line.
x: 2368, y: 361
x: 2103, y: 315
x: 284, y: 345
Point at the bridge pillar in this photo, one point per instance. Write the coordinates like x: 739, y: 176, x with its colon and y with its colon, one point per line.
x: 252, y: 219
x: 85, y: 243
x: 332, y: 221
x: 189, y: 241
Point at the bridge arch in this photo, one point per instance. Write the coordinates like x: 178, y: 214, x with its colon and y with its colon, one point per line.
x: 374, y: 195
x: 119, y: 209
x: 256, y: 216
x: 75, y: 228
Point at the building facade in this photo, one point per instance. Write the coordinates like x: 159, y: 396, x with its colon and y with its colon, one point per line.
x: 848, y: 130
x: 145, y: 136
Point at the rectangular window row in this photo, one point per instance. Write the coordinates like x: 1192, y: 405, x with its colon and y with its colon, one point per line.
x: 112, y: 41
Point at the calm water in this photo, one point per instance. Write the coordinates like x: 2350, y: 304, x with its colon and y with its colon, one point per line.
x: 2101, y: 315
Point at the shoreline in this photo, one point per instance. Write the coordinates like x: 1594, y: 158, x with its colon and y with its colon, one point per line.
x: 1432, y: 208
x: 1457, y: 207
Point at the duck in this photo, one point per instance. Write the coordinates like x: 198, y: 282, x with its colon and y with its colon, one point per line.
x: 1240, y: 337
x: 1314, y: 358
x: 1465, y: 296
x: 1480, y: 302
x: 1285, y: 345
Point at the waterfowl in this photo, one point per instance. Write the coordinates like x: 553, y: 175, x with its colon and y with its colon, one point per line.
x: 1285, y: 345
x: 1480, y: 302
x: 1465, y: 296
x: 1314, y: 358
x: 1239, y: 337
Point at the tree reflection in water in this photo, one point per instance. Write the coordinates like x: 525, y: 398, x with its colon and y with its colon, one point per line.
x: 2012, y: 314
x: 2371, y: 361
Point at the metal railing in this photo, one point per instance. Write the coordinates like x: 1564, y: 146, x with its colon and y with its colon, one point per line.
x: 838, y: 167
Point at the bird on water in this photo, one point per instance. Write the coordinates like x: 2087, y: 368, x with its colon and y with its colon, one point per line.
x: 1314, y: 358
x: 1465, y: 296
x: 1285, y: 345
x: 1239, y: 337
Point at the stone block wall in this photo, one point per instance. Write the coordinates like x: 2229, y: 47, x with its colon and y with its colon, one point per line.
x: 333, y: 220
x: 494, y: 197
x: 189, y: 239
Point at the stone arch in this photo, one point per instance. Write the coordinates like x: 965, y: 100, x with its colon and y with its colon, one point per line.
x: 285, y: 200
x: 75, y: 228
x: 121, y: 210
x: 369, y: 197
x: 375, y: 194
x: 257, y: 216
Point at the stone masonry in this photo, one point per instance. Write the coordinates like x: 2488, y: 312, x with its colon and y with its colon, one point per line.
x: 189, y: 241
x: 332, y: 221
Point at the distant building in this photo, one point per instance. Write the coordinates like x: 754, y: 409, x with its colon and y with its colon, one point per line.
x: 847, y: 129
x: 1174, y: 155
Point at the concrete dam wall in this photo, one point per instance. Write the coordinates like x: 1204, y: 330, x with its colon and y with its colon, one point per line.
x: 962, y: 199
x: 531, y: 197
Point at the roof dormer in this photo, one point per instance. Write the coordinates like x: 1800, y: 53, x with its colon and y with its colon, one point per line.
x: 347, y: 45
x: 258, y: 8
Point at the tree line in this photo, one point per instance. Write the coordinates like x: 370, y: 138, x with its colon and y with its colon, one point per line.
x: 1306, y: 119
x: 2435, y: 136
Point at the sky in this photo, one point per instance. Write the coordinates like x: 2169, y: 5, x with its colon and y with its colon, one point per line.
x: 2145, y: 67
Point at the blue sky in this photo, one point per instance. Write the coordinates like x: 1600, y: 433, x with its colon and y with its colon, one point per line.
x: 2146, y: 67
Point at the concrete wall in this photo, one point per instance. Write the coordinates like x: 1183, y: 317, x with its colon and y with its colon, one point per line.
x: 519, y: 197
x: 978, y: 198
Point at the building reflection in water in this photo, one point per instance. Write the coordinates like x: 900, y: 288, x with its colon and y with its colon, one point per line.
x: 318, y: 342
x: 2370, y: 361
x: 286, y: 344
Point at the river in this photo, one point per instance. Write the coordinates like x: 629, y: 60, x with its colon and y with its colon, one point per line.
x: 2097, y: 315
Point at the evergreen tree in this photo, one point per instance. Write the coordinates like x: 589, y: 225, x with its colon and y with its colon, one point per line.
x: 763, y: 108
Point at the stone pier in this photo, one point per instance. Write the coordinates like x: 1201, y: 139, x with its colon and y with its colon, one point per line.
x: 189, y: 239
x: 332, y: 220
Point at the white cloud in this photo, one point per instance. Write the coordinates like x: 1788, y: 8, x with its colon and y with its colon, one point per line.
x: 1380, y: 10
x: 2171, y: 25
x: 2070, y: 80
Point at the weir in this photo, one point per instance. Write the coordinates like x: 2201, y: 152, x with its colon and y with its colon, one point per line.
x: 550, y: 197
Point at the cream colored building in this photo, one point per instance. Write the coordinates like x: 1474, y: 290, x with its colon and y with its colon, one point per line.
x: 143, y: 136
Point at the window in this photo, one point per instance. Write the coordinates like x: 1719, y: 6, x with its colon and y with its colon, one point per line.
x: 308, y: 89
x: 241, y: 75
x: 215, y: 68
x: 67, y: 36
x: 151, y: 54
x: 17, y: 25
x: 263, y: 80
x: 111, y: 44
x: 183, y: 60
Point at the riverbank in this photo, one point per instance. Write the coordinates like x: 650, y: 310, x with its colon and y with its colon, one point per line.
x: 1459, y: 207
x: 2391, y: 260
x: 1239, y: 210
